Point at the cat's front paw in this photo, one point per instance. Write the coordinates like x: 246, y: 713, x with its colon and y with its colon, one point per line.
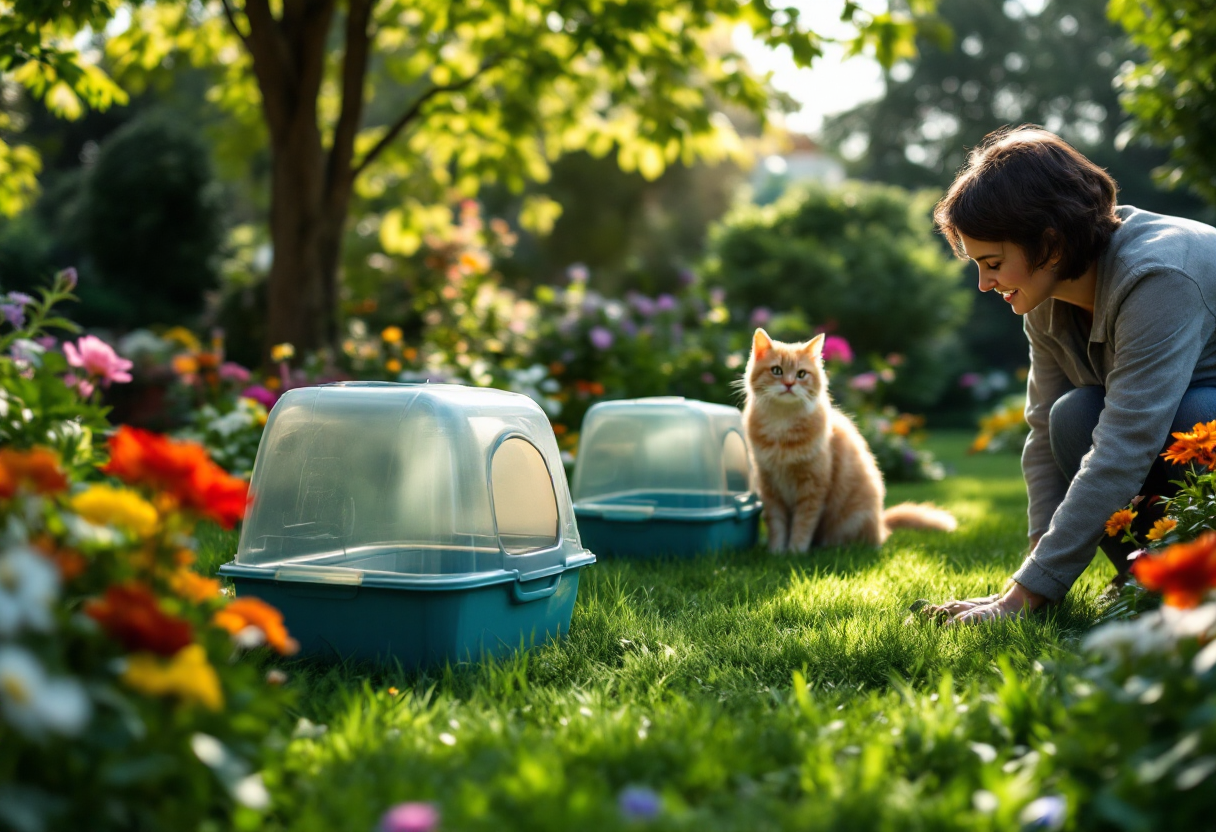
x: 777, y: 547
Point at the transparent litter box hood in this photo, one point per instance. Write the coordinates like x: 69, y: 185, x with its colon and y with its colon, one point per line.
x: 418, y: 485
x: 665, y: 454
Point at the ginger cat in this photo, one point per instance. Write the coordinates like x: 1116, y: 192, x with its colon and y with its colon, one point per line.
x: 816, y: 474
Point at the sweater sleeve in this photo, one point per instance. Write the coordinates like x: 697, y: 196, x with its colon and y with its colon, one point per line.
x: 1160, y: 330
x: 1045, y: 485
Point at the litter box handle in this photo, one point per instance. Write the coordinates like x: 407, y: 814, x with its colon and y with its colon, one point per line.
x: 523, y: 596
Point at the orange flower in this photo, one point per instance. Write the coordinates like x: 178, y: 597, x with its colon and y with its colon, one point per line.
x: 185, y: 365
x: 1196, y: 445
x: 1161, y: 528
x: 1119, y: 521
x: 71, y: 563
x: 130, y: 614
x: 254, y: 612
x: 1183, y: 572
x: 194, y: 587
x: 37, y: 469
x: 182, y: 470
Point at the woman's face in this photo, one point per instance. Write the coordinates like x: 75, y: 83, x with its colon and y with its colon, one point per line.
x: 1005, y: 269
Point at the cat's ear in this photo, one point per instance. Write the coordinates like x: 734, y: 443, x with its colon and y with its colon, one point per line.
x: 761, y: 343
x: 814, y: 347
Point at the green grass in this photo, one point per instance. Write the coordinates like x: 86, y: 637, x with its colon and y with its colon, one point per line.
x: 753, y: 692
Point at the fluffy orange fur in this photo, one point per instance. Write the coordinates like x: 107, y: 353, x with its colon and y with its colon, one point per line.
x: 814, y: 471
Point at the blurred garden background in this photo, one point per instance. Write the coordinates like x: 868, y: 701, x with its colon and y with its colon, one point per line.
x: 204, y: 204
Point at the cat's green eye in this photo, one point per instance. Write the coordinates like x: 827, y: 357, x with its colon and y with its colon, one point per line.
x: 802, y: 374
x: 776, y: 371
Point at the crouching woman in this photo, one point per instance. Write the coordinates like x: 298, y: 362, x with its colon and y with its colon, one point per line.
x: 1119, y: 308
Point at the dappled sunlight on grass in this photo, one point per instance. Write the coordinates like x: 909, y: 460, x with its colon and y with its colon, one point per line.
x: 680, y: 672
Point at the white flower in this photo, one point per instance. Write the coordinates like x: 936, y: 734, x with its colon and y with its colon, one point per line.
x: 29, y: 585
x: 230, y: 423
x: 33, y: 703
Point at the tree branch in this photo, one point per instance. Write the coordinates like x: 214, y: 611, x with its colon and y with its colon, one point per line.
x: 412, y: 113
x: 231, y: 15
x: 354, y: 73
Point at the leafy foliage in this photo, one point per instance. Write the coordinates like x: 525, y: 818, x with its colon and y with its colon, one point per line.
x: 1171, y: 92
x: 150, y: 210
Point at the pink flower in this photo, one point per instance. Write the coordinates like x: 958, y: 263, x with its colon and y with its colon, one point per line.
x: 410, y: 817
x: 98, y: 360
x: 231, y: 371
x: 836, y: 348
x: 866, y: 382
x: 969, y: 380
x: 261, y: 395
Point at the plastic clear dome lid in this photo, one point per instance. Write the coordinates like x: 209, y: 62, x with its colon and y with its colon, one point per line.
x: 408, y: 479
x: 666, y: 453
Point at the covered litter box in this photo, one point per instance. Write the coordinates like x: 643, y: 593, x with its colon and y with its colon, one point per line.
x: 664, y: 475
x: 414, y: 522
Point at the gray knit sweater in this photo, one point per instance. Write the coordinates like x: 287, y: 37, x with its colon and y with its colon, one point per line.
x: 1153, y: 336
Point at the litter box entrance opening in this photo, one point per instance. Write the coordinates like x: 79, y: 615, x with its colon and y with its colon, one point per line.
x: 525, y: 506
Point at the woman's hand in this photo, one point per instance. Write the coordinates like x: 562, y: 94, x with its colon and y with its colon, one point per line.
x: 1015, y: 602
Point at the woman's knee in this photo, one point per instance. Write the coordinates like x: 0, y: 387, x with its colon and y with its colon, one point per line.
x: 1198, y: 405
x: 1071, y: 424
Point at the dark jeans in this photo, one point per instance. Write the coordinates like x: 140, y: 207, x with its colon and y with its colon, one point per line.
x: 1073, y: 419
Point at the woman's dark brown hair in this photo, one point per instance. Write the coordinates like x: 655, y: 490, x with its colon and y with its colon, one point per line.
x: 1031, y: 187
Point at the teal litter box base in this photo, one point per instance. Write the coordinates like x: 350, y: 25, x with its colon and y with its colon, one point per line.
x: 640, y: 524
x: 418, y: 627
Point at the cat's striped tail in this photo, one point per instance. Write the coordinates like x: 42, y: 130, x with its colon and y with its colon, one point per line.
x: 919, y: 516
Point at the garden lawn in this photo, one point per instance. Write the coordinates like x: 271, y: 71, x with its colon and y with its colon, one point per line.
x: 749, y: 692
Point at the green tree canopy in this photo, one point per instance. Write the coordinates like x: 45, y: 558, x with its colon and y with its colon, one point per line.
x: 1171, y: 93
x: 1005, y: 66
x: 400, y: 104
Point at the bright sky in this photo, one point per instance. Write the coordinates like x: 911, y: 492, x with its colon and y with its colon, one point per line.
x: 832, y: 84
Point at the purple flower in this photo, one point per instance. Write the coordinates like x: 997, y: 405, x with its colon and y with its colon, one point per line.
x: 761, y: 315
x: 664, y: 303
x: 910, y: 457
x: 687, y: 277
x: 708, y: 377
x: 1045, y: 813
x: 628, y: 328
x: 14, y: 313
x: 717, y: 296
x: 20, y: 297
x: 836, y: 348
x: 410, y: 817
x: 47, y: 342
x: 600, y: 337
x: 578, y: 273
x: 639, y: 803
x: 866, y: 382
x: 261, y: 395
x: 967, y: 380
x: 69, y: 278
x: 644, y: 305
x: 231, y: 371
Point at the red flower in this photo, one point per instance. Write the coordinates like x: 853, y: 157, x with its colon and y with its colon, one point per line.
x: 1183, y: 572
x: 180, y: 469
x: 131, y: 615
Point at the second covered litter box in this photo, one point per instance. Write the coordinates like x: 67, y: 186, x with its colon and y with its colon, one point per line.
x: 664, y: 476
x: 411, y: 522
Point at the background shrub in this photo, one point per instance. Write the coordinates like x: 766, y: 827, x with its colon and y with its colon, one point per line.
x: 861, y: 260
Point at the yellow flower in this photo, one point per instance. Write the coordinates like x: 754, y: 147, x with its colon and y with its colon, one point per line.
x: 1161, y: 528
x: 194, y: 587
x: 981, y: 443
x: 393, y: 365
x: 282, y: 352
x: 181, y: 335
x: 188, y: 676
x: 106, y: 505
x: 392, y: 335
x: 1119, y: 521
